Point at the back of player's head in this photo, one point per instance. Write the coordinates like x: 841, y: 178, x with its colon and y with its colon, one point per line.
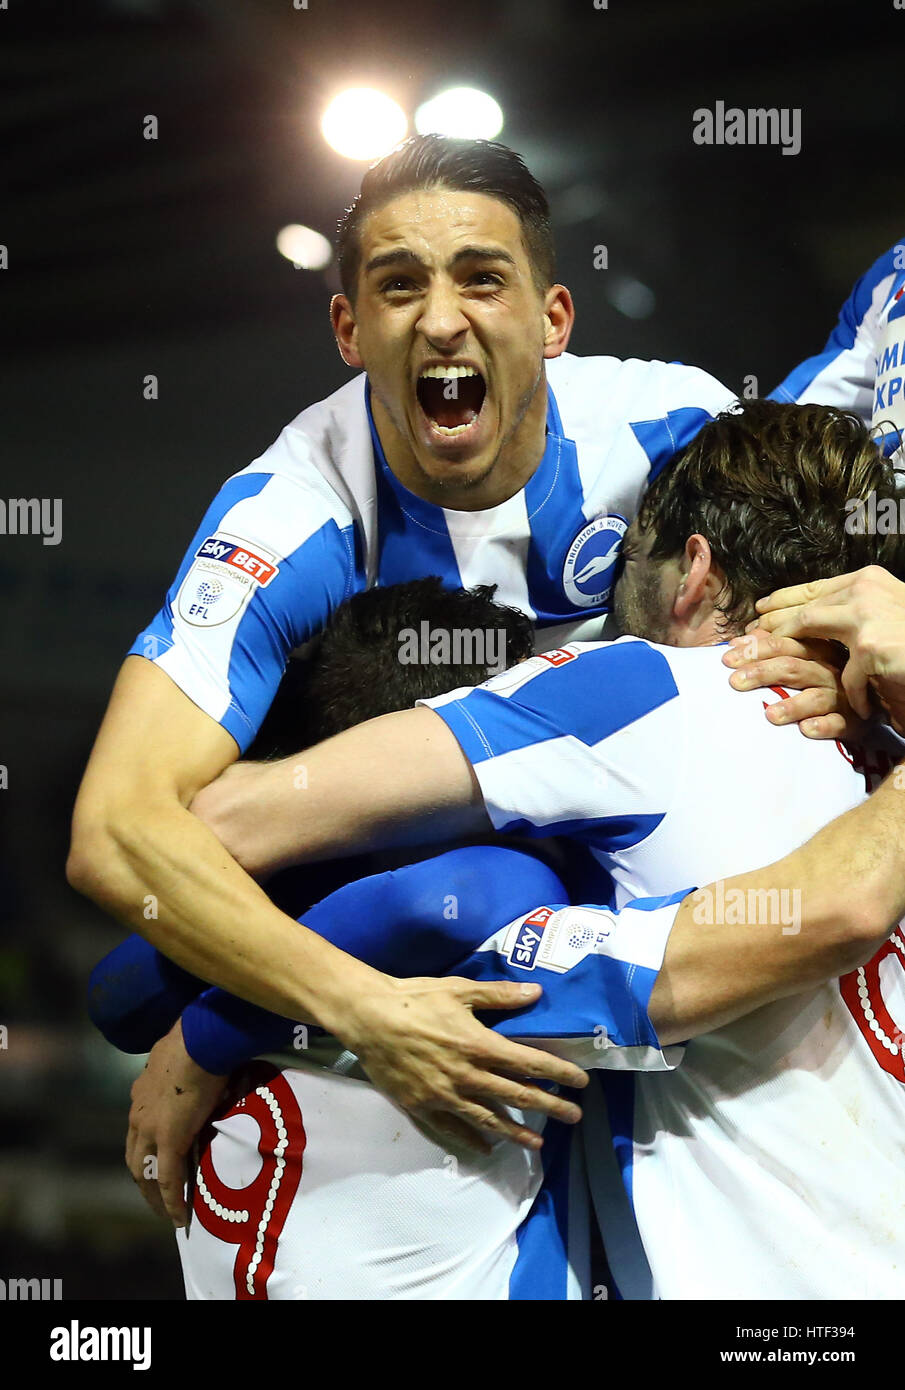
x: 384, y: 649
x: 780, y: 493
x: 462, y: 166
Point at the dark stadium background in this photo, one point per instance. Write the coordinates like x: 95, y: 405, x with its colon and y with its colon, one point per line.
x: 129, y: 257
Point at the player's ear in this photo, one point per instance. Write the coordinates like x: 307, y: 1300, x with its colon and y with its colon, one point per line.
x: 559, y: 316
x: 345, y: 330
x: 701, y: 577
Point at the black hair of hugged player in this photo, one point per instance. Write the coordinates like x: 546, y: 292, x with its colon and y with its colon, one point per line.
x: 384, y: 649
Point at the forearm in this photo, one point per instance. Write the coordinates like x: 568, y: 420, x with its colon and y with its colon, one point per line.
x: 816, y: 914
x: 162, y: 873
x: 398, y: 780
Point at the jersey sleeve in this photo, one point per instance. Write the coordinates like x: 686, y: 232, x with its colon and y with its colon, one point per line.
x: 597, y: 967
x: 570, y: 742
x: 274, y: 556
x: 844, y: 373
x: 418, y: 920
x: 136, y: 994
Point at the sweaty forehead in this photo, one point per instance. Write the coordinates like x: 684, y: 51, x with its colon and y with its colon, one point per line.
x: 434, y: 223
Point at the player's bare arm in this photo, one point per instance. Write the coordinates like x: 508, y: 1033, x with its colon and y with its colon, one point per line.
x: 136, y: 845
x: 850, y: 882
x: 398, y: 778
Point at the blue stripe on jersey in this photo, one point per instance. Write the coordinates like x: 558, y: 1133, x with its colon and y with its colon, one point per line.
x: 157, y: 637
x: 620, y: 1099
x: 553, y: 498
x: 845, y: 332
x: 662, y: 439
x: 602, y: 691
x: 312, y: 583
x: 542, y: 1264
x: 413, y: 536
x: 598, y: 832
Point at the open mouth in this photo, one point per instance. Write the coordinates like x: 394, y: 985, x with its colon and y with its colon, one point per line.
x: 451, y: 397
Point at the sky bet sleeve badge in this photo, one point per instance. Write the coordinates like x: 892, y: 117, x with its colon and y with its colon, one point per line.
x: 225, y: 574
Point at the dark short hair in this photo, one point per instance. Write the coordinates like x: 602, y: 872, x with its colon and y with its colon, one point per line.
x: 355, y: 673
x: 466, y: 166
x: 771, y: 487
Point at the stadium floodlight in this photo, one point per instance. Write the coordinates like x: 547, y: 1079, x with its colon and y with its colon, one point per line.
x: 306, y: 248
x: 462, y: 111
x: 362, y: 123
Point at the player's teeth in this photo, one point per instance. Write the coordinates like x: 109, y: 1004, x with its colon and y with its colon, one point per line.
x: 441, y: 373
x: 451, y: 429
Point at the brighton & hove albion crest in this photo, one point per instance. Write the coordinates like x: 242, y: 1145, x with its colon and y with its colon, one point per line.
x: 590, y: 564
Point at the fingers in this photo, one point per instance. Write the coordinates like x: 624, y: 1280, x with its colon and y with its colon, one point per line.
x: 521, y: 1095
x: 141, y: 1161
x: 790, y: 672
x: 447, y: 1128
x: 796, y: 594
x: 171, y: 1184
x: 516, y: 1059
x: 855, y: 682
x: 496, y: 994
x: 492, y: 1121
x: 829, y: 619
x: 757, y: 644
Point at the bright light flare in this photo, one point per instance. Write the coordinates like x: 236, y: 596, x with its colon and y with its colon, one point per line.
x: 464, y: 112
x: 305, y: 247
x: 362, y: 123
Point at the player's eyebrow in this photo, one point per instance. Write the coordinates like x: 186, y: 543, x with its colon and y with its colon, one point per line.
x: 404, y: 256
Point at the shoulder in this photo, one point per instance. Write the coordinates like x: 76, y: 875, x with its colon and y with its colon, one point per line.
x: 658, y: 406
x: 316, y: 470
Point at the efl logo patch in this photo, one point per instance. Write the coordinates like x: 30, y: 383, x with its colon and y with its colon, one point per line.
x: 558, y: 657
x: 524, y: 949
x: 220, y: 583
x: 216, y: 548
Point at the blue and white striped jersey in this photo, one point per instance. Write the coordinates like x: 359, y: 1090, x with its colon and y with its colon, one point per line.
x: 320, y: 515
x: 767, y: 1165
x: 862, y: 366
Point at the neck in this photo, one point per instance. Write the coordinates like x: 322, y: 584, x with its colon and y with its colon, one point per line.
x: 516, y: 462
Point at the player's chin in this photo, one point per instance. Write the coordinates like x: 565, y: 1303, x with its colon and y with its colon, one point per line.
x: 460, y: 472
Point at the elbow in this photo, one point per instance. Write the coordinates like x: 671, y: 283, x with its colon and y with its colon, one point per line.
x: 84, y: 865
x: 94, y: 863
x: 861, y: 926
x: 868, y: 922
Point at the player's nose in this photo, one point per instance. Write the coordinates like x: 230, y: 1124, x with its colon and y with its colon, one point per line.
x: 442, y: 320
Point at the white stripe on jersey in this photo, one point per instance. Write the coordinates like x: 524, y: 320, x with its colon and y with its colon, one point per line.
x: 478, y: 551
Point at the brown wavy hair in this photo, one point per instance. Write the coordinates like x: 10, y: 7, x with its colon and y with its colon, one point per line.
x: 772, y: 486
